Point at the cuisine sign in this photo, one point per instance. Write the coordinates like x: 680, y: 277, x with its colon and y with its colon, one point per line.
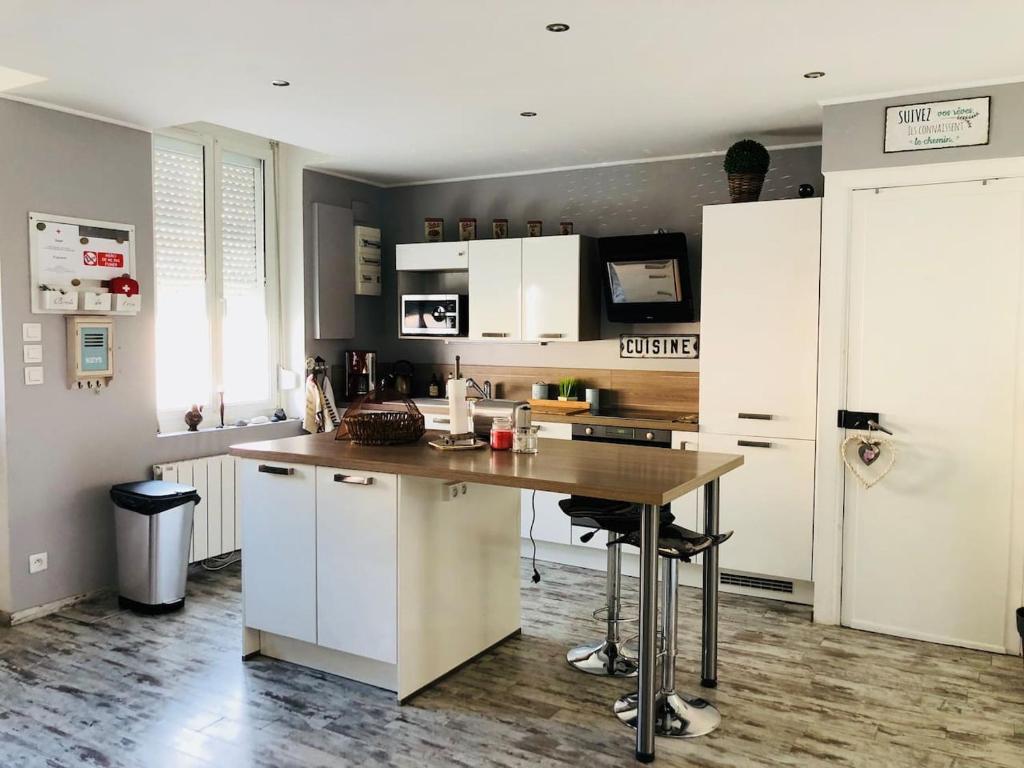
x: 679, y: 346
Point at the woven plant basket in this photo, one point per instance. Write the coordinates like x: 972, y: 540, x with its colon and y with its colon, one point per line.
x: 745, y: 187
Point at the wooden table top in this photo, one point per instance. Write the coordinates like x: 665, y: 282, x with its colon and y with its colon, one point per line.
x: 640, y: 474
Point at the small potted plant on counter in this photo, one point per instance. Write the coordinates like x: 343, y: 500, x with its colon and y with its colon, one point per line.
x: 568, y: 389
x: 746, y: 164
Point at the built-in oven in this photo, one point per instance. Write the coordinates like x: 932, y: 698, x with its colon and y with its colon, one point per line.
x: 434, y: 314
x: 603, y: 433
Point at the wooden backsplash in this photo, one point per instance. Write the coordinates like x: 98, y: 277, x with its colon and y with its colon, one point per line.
x: 657, y: 390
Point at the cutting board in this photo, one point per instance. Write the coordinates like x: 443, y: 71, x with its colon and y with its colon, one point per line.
x: 564, y: 407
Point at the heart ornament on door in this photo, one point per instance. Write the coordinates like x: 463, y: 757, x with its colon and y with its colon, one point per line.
x: 867, y: 453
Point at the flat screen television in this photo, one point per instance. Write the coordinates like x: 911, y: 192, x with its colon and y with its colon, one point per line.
x: 647, y: 279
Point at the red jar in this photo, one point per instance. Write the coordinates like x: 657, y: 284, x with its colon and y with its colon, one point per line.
x: 501, y: 433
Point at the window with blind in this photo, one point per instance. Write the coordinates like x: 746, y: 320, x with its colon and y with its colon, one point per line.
x: 216, y: 301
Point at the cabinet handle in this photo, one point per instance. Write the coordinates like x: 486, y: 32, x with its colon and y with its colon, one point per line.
x: 755, y: 416
x: 442, y: 421
x: 266, y: 468
x: 353, y: 480
x: 493, y: 335
x: 753, y: 444
x: 551, y: 336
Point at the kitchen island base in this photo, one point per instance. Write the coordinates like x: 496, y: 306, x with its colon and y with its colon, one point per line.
x: 389, y: 580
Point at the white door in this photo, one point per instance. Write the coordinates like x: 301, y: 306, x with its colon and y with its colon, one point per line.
x: 759, y: 318
x: 551, y: 288
x: 357, y: 563
x: 932, y: 550
x: 278, y: 503
x: 495, y: 283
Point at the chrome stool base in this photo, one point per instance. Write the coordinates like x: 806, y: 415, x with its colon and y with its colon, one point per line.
x: 607, y: 659
x: 675, y: 717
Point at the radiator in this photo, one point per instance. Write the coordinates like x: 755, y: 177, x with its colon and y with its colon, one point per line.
x: 217, y: 526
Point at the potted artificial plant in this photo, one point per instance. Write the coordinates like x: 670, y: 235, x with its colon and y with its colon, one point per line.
x: 567, y: 388
x: 746, y: 164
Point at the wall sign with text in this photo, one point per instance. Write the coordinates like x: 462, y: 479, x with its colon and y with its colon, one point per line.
x: 671, y: 346
x: 937, y: 125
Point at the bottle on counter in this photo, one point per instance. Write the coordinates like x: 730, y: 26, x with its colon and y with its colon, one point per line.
x: 434, y: 389
x: 524, y: 438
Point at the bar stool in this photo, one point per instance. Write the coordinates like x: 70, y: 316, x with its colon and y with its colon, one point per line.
x: 675, y: 715
x: 607, y: 657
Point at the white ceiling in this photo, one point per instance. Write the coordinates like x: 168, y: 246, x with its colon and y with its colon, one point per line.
x: 407, y: 90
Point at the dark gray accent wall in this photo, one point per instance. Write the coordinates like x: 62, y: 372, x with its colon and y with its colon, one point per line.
x: 369, y: 206
x: 66, y: 448
x: 854, y: 134
x: 612, y: 200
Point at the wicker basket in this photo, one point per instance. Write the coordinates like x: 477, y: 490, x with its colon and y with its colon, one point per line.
x: 384, y: 427
x: 381, y: 418
x: 745, y: 187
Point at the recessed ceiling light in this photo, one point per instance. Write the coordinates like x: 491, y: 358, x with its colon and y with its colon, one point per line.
x: 557, y: 27
x: 280, y: 83
x: 527, y: 114
x: 813, y: 75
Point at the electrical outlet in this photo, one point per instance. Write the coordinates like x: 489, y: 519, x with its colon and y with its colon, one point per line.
x: 38, y: 562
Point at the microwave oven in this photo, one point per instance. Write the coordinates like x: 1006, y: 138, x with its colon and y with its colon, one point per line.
x: 434, y: 314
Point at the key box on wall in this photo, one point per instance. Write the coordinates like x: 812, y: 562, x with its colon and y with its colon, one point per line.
x: 90, y: 352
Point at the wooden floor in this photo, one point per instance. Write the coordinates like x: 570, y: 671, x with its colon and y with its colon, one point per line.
x: 96, y: 687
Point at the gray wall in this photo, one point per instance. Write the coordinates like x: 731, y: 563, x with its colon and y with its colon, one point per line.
x: 854, y: 133
x: 612, y: 200
x: 368, y: 205
x: 64, y: 449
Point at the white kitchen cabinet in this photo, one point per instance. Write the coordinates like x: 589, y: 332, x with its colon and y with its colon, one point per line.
x: 426, y: 257
x: 495, y: 280
x: 688, y: 509
x: 551, y: 524
x: 356, y: 563
x: 279, y: 539
x: 759, y: 318
x: 769, y: 503
x: 551, y: 276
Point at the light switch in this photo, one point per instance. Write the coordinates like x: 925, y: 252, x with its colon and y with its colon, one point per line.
x: 33, y: 353
x: 34, y: 375
x: 31, y: 332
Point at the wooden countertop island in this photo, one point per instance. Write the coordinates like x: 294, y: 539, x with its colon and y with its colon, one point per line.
x: 621, y: 472
x: 396, y: 565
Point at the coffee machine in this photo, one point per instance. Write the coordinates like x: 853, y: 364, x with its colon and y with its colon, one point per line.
x: 360, y: 373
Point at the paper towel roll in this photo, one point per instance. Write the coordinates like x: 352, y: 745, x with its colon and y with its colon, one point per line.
x: 458, y: 407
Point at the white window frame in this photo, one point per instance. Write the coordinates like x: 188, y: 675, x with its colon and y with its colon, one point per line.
x: 215, y: 147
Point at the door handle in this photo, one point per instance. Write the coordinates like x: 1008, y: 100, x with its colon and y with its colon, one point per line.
x: 875, y: 425
x: 753, y: 444
x: 755, y: 416
x: 353, y: 480
x: 267, y: 469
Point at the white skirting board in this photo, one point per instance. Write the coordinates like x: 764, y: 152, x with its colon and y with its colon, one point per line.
x: 216, y: 527
x: 690, y: 574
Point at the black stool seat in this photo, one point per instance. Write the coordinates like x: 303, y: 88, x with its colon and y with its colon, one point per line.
x: 677, y: 542
x: 619, y: 517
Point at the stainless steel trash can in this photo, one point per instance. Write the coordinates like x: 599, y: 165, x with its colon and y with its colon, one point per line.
x: 154, y: 527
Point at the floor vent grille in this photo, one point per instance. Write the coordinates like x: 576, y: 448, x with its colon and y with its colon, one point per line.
x: 757, y: 582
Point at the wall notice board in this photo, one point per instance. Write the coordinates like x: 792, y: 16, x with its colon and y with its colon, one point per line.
x: 76, y: 256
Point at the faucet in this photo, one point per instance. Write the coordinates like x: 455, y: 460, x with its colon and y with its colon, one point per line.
x: 484, y: 391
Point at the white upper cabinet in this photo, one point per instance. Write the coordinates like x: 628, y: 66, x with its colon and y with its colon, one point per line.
x: 551, y: 288
x: 759, y: 318
x: 495, y: 282
x: 425, y: 257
